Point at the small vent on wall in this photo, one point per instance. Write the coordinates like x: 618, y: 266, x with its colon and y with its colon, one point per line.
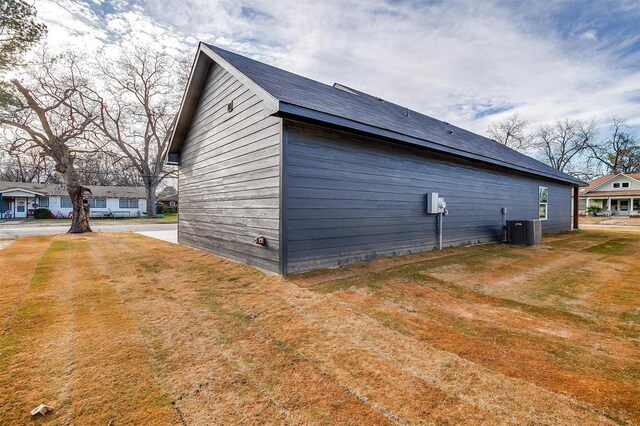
x: 230, y: 106
x: 173, y: 159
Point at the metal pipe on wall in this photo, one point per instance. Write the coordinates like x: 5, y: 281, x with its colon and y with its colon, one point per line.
x: 440, y: 216
x: 504, y: 224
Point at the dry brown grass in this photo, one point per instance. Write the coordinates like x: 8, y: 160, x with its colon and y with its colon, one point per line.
x: 16, y: 267
x: 73, y: 345
x: 612, y: 220
x: 119, y: 327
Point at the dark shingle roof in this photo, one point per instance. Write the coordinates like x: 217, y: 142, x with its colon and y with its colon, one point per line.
x: 172, y: 197
x: 292, y: 90
x: 97, y: 191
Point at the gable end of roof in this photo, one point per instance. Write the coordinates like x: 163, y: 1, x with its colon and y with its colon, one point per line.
x: 205, y: 58
x: 602, y: 180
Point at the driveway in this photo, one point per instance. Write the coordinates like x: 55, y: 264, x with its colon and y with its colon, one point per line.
x: 163, y: 231
x: 170, y: 236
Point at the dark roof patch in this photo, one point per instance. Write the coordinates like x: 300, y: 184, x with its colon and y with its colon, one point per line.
x: 351, y: 108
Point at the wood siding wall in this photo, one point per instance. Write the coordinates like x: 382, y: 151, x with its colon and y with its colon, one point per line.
x: 229, y: 175
x: 351, y: 198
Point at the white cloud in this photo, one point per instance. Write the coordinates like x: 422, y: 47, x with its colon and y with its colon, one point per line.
x: 71, y: 24
x: 589, y: 35
x: 454, y: 60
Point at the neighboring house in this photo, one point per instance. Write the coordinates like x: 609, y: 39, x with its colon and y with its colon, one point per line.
x: 19, y: 200
x: 330, y: 175
x: 617, y: 194
x: 169, y: 200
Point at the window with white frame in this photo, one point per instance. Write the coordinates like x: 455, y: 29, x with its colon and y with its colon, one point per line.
x: 616, y: 185
x: 625, y: 184
x: 543, y: 202
x: 128, y: 203
x: 43, y: 202
x: 65, y: 202
x: 97, y: 203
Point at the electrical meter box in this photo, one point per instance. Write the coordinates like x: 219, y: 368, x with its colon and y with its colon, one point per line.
x: 435, y: 204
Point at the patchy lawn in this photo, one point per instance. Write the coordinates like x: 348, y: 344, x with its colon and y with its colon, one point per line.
x: 607, y: 220
x: 117, y: 327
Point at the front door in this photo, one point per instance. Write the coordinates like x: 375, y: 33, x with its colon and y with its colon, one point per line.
x: 21, y: 207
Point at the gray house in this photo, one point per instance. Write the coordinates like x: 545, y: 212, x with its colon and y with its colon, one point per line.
x: 289, y: 174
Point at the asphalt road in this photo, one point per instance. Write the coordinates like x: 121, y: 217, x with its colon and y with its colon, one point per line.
x: 163, y: 231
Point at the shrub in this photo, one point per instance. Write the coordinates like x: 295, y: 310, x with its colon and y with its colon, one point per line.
x: 594, y: 209
x: 41, y: 213
x: 171, y: 209
x: 159, y: 208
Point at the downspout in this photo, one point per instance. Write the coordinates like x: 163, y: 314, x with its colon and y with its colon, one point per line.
x: 440, y: 216
x: 504, y: 224
x: 576, y: 197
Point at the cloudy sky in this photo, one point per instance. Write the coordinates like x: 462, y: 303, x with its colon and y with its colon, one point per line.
x: 466, y: 62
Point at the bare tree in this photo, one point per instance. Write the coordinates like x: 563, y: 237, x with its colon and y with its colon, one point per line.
x: 107, y: 168
x: 620, y: 152
x: 22, y: 162
x: 586, y: 169
x: 511, y: 132
x: 563, y: 144
x: 167, y: 191
x: 45, y: 111
x: 137, y: 111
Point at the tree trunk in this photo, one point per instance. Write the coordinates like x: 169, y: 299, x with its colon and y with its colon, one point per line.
x: 151, y: 199
x: 80, y: 217
x: 80, y: 212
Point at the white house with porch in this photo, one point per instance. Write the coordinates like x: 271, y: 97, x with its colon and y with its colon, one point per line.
x: 19, y: 200
x: 616, y: 195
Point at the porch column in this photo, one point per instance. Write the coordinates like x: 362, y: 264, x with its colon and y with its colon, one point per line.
x: 631, y: 206
x: 609, y: 204
x: 576, y: 197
